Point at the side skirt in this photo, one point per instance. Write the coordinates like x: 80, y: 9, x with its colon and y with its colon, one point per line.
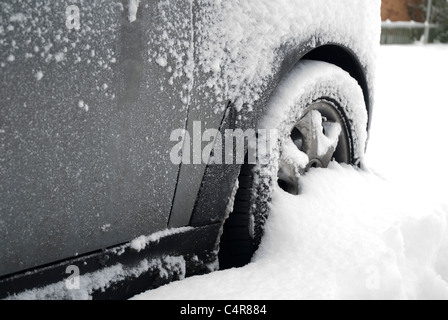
x: 120, y: 272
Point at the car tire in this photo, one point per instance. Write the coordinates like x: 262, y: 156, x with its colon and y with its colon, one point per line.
x: 319, y: 115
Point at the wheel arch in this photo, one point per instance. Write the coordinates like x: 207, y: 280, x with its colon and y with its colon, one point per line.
x: 336, y: 54
x: 207, y: 212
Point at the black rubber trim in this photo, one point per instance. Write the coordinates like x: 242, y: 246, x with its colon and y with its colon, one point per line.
x: 236, y: 246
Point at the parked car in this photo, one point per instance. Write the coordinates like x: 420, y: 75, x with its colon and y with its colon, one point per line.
x: 111, y: 181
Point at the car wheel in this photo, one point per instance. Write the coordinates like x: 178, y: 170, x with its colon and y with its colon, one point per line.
x: 319, y: 114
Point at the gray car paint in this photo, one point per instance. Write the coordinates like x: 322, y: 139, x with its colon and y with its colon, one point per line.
x: 76, y: 179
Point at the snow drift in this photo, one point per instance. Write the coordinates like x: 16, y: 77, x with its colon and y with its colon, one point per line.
x: 376, y: 233
x: 347, y: 236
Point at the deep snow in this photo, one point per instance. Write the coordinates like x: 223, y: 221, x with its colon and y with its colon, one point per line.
x: 376, y: 233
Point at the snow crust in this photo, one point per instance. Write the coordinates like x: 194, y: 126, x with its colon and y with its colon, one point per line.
x: 133, y: 9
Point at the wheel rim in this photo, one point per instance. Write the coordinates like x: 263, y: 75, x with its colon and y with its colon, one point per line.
x: 319, y: 137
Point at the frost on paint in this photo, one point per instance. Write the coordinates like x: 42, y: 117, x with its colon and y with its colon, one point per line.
x: 161, y: 61
x: 309, y: 81
x: 133, y: 9
x: 140, y: 243
x: 82, y: 105
x: 197, y: 39
x: 106, y: 227
x: 29, y: 34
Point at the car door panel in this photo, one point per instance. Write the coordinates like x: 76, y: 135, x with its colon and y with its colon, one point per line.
x: 86, y: 116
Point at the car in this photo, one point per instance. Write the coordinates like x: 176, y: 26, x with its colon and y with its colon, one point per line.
x: 127, y: 132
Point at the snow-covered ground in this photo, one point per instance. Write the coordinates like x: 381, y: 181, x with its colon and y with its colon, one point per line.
x: 377, y: 233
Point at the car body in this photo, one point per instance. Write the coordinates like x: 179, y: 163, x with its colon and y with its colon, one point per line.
x: 90, y: 95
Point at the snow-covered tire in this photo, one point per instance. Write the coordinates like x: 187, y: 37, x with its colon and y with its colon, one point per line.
x: 320, y: 115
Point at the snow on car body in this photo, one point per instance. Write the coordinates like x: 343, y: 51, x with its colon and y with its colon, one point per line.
x: 90, y: 95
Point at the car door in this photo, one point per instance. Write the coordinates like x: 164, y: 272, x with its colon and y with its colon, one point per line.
x: 88, y: 103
